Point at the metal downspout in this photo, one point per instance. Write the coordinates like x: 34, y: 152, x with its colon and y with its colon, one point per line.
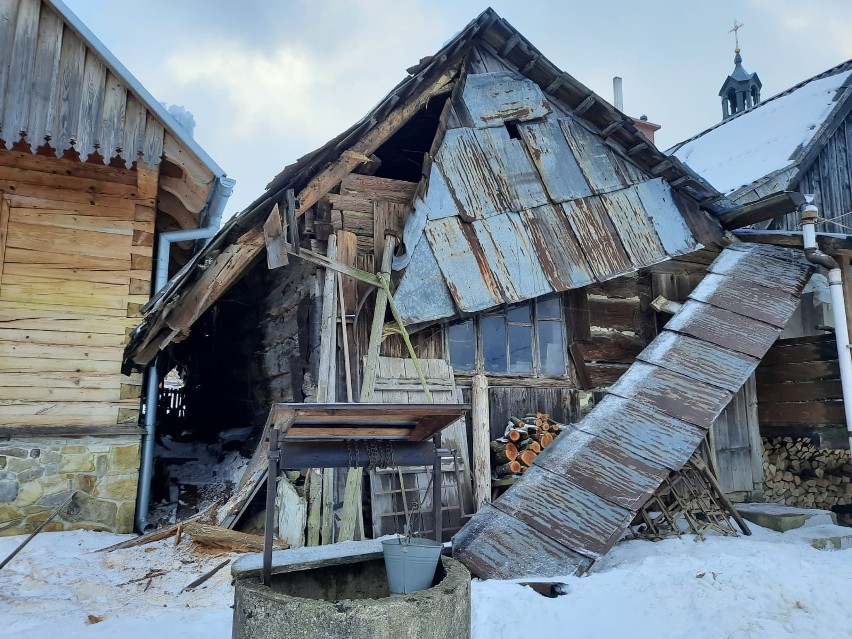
x: 838, y: 308
x: 215, y: 208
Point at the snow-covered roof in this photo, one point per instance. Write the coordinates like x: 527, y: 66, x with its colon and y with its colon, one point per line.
x: 767, y: 138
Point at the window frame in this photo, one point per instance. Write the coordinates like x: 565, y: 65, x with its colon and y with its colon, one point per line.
x: 535, y: 318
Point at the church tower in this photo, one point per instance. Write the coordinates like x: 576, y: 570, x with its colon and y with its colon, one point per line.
x: 741, y: 89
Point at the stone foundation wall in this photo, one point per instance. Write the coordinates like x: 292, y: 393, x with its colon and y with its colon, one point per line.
x: 37, y: 475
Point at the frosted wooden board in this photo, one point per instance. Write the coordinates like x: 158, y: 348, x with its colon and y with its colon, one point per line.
x: 556, y: 164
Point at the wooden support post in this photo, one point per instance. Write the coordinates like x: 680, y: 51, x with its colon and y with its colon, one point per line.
x: 314, y: 490
x: 327, y: 523
x: 371, y: 364
x: 437, y: 498
x: 273, y: 455
x: 481, y: 425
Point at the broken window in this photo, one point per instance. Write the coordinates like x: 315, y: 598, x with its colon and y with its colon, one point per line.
x: 525, y: 339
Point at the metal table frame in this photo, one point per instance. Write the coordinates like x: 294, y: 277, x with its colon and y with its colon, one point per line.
x: 320, y: 436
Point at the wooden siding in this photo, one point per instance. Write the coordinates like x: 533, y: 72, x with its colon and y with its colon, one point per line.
x: 75, y: 266
x: 829, y: 179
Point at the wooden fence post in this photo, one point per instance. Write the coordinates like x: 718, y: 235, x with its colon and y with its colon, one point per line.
x: 481, y: 425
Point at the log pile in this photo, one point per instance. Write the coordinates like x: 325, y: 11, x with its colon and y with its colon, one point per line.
x: 797, y: 473
x: 524, y: 438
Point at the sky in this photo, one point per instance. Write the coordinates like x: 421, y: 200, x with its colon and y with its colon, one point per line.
x: 269, y: 81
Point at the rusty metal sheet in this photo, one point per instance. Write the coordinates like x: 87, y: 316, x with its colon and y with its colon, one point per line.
x: 494, y: 545
x: 462, y: 264
x: 642, y: 431
x: 597, y: 237
x: 660, y: 207
x: 724, y: 328
x: 510, y: 257
x: 781, y: 274
x: 601, y: 467
x: 633, y: 226
x: 745, y: 297
x: 494, y: 98
x: 699, y: 360
x: 554, y: 243
x: 602, y: 170
x: 672, y: 393
x: 472, y: 184
x: 512, y: 167
x: 422, y: 294
x: 554, y: 160
x: 566, y: 513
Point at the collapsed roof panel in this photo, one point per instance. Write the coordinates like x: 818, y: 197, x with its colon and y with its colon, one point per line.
x: 589, y: 483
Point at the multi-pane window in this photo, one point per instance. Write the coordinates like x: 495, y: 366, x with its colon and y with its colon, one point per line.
x: 524, y: 339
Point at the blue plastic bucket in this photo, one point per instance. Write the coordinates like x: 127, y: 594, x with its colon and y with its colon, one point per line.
x: 410, y: 563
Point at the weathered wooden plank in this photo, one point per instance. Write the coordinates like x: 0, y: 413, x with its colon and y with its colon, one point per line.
x: 784, y: 275
x: 572, y: 516
x: 512, y: 168
x: 60, y: 219
x: 814, y: 412
x: 602, y: 468
x: 8, y: 12
x: 747, y: 298
x: 799, y: 391
x: 371, y: 187
x: 69, y: 96
x: 594, y: 158
x: 724, y: 328
x: 798, y: 350
x: 611, y: 346
x: 66, y: 380
x: 597, y: 237
x: 498, y: 97
x: 16, y: 114
x: 660, y: 208
x: 477, y: 192
x: 618, y: 314
x: 60, y: 351
x: 556, y: 164
x: 112, y: 130
x: 699, y: 360
x: 4, y: 232
x: 18, y: 364
x: 634, y: 228
x: 470, y: 282
x: 488, y: 546
x: 47, y: 239
x: 135, y: 115
x: 799, y: 372
x: 642, y: 431
x: 26, y: 256
x: 510, y: 257
x: 71, y: 338
x: 91, y: 105
x: 673, y: 394
x: 42, y: 393
x: 57, y: 185
x: 153, y: 142
x: 556, y: 248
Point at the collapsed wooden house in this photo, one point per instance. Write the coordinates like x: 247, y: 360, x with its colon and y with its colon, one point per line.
x: 535, y: 226
x: 92, y: 168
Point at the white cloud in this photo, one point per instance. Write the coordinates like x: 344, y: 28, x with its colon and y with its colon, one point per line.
x: 823, y: 25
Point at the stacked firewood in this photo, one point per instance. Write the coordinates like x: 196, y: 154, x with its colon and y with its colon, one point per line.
x: 797, y: 473
x: 524, y: 438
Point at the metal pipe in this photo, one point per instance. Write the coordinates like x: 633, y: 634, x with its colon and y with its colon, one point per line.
x: 213, y: 216
x: 838, y: 308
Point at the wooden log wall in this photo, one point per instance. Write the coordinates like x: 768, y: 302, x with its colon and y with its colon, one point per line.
x: 609, y: 324
x: 76, y: 244
x: 799, y: 393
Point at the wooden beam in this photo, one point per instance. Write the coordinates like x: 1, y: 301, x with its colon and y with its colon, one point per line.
x: 368, y: 144
x: 368, y: 382
x: 481, y: 426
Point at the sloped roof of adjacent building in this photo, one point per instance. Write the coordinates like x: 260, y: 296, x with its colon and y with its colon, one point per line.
x: 619, y: 167
x: 584, y: 489
x: 774, y: 138
x: 61, y: 85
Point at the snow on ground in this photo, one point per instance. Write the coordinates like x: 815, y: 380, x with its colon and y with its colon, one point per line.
x: 765, y: 586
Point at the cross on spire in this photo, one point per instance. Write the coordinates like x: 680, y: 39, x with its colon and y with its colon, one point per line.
x: 737, y: 26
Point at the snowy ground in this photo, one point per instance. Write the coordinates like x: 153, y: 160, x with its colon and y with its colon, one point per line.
x: 768, y: 585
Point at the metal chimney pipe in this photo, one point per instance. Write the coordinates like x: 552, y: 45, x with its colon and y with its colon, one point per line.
x: 617, y: 93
